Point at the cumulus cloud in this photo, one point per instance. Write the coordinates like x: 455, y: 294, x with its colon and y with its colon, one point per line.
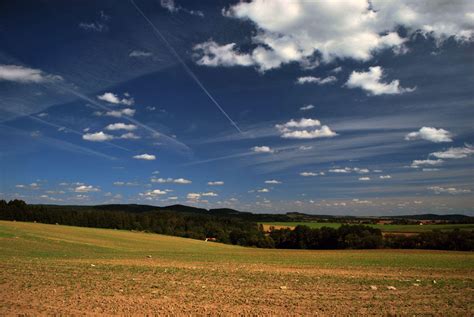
x: 129, y: 136
x: 97, y: 137
x: 115, y: 99
x: 209, y: 194
x: 304, y: 129
x: 316, y: 80
x: 138, y: 54
x: 371, y: 82
x: 119, y: 113
x: 171, y: 6
x: 100, y: 25
x: 455, y: 152
x: 150, y: 194
x: 263, y: 190
x: 215, y: 183
x: 171, y: 180
x: 262, y: 149
x: 428, y: 162
x: 310, y: 32
x: 340, y: 170
x: 272, y: 181
x: 146, y: 157
x: 25, y: 75
x: 307, y: 107
x: 308, y: 174
x: 193, y: 196
x: 86, y: 189
x: 364, y: 178
x: 121, y: 126
x: 385, y: 176
x: 213, y: 54
x: 448, y: 190
x: 430, y: 134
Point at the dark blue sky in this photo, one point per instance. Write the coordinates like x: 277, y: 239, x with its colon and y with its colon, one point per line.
x: 268, y: 106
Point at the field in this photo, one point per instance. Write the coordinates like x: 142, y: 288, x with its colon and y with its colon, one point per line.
x: 51, y: 269
x: 389, y: 228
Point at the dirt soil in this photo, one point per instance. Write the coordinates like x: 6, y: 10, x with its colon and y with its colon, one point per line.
x: 154, y: 286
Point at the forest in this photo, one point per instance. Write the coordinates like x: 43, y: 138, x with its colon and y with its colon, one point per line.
x: 231, y: 228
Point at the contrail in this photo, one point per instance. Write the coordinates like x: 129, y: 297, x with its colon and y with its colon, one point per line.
x: 188, y: 70
x: 51, y: 124
x: 63, y: 145
x: 130, y: 119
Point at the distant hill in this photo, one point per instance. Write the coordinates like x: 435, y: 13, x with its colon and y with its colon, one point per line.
x: 267, y: 217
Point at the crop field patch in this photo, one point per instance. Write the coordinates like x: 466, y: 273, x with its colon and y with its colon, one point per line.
x: 47, y: 269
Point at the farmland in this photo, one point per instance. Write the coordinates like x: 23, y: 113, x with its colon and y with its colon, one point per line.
x: 388, y: 228
x: 47, y: 269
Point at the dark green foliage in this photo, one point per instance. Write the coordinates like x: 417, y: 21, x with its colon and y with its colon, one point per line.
x: 344, y: 237
x: 184, y: 224
x: 229, y: 226
x: 459, y: 240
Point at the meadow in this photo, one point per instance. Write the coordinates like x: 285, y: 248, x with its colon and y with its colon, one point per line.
x: 46, y: 269
x: 388, y: 228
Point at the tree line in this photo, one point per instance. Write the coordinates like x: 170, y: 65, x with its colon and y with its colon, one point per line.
x: 232, y: 229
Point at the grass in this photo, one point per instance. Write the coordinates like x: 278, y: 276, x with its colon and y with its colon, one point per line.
x: 42, y: 241
x: 384, y: 228
x: 46, y: 269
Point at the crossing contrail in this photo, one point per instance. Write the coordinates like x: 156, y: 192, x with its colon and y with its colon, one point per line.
x: 186, y: 68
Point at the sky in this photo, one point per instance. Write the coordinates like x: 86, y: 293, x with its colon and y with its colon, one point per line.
x: 324, y: 107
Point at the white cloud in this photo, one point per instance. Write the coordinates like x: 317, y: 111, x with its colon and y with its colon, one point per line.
x: 364, y: 178
x: 146, y: 157
x: 304, y: 129
x: 385, y: 176
x: 316, y: 80
x: 86, y: 189
x: 305, y: 147
x: 97, y: 137
x: 25, y: 75
x: 361, y: 170
x: 129, y: 136
x: 119, y: 113
x: 93, y: 26
x: 212, y: 54
x: 430, y: 169
x: 448, y: 190
x: 215, y: 183
x: 307, y: 107
x: 371, y: 82
x: 272, y: 181
x: 262, y: 149
x: 307, y: 32
x: 428, y: 162
x: 263, y: 190
x: 138, y: 54
x: 193, y: 196
x: 153, y: 193
x: 170, y: 180
x: 114, y: 99
x: 100, y: 25
x: 308, y: 174
x: 340, y: 170
x: 209, y: 194
x: 171, y: 6
x: 455, y: 152
x: 430, y: 134
x: 121, y: 126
